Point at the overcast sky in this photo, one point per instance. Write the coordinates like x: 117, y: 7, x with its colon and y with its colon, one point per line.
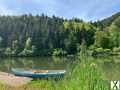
x: 83, y: 9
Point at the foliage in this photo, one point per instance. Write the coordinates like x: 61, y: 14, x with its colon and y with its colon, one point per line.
x: 28, y: 44
x: 15, y: 47
x: 26, y: 52
x: 29, y: 35
x: 59, y: 52
x: 1, y: 40
x: 29, y: 49
x: 101, y: 40
x: 21, y: 33
x: 101, y: 52
x: 116, y: 49
x: 8, y: 51
x: 115, y: 33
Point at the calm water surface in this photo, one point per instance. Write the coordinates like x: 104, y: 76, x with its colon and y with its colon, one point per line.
x: 110, y: 66
x: 35, y: 63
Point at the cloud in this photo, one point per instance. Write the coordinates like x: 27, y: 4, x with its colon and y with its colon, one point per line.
x: 102, y: 9
x: 5, y: 11
x: 85, y: 9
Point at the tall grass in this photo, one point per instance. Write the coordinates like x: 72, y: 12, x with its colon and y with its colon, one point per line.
x: 83, y: 76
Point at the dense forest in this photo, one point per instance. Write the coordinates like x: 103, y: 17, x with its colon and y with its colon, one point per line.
x: 29, y: 35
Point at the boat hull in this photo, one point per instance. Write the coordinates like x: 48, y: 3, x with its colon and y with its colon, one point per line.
x: 58, y: 74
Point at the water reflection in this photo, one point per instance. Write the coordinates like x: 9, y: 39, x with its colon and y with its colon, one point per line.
x: 34, y: 62
x: 110, y: 66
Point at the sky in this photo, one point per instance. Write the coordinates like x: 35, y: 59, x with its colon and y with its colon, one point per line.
x: 88, y: 10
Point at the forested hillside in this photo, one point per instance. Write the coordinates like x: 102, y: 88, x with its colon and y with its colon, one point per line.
x: 29, y: 35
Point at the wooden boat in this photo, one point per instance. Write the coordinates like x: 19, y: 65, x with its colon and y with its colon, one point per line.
x: 39, y: 73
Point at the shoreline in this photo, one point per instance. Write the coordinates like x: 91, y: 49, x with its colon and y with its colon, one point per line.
x: 12, y: 80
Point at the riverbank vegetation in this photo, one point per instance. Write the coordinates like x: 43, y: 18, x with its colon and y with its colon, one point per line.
x: 83, y: 74
x: 29, y: 35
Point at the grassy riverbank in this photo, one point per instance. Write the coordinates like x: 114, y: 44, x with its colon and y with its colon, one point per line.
x: 84, y: 76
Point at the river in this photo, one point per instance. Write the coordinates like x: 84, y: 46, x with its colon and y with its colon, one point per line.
x: 109, y: 66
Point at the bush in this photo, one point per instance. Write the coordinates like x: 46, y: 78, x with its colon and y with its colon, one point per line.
x: 26, y: 52
x: 92, y: 47
x: 8, y: 51
x: 116, y: 49
x: 107, y: 50
x: 101, y: 52
x: 59, y: 52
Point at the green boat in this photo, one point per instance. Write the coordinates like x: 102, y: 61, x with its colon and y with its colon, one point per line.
x: 39, y: 73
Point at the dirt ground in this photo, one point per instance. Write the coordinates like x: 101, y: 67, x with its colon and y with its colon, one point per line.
x: 12, y: 80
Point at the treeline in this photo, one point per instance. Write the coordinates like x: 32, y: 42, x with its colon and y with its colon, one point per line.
x: 29, y: 35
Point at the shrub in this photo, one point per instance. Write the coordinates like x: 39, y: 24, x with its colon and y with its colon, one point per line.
x: 59, y: 52
x: 26, y: 52
x: 8, y: 51
x: 101, y: 52
x: 116, y: 49
x: 99, y: 49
